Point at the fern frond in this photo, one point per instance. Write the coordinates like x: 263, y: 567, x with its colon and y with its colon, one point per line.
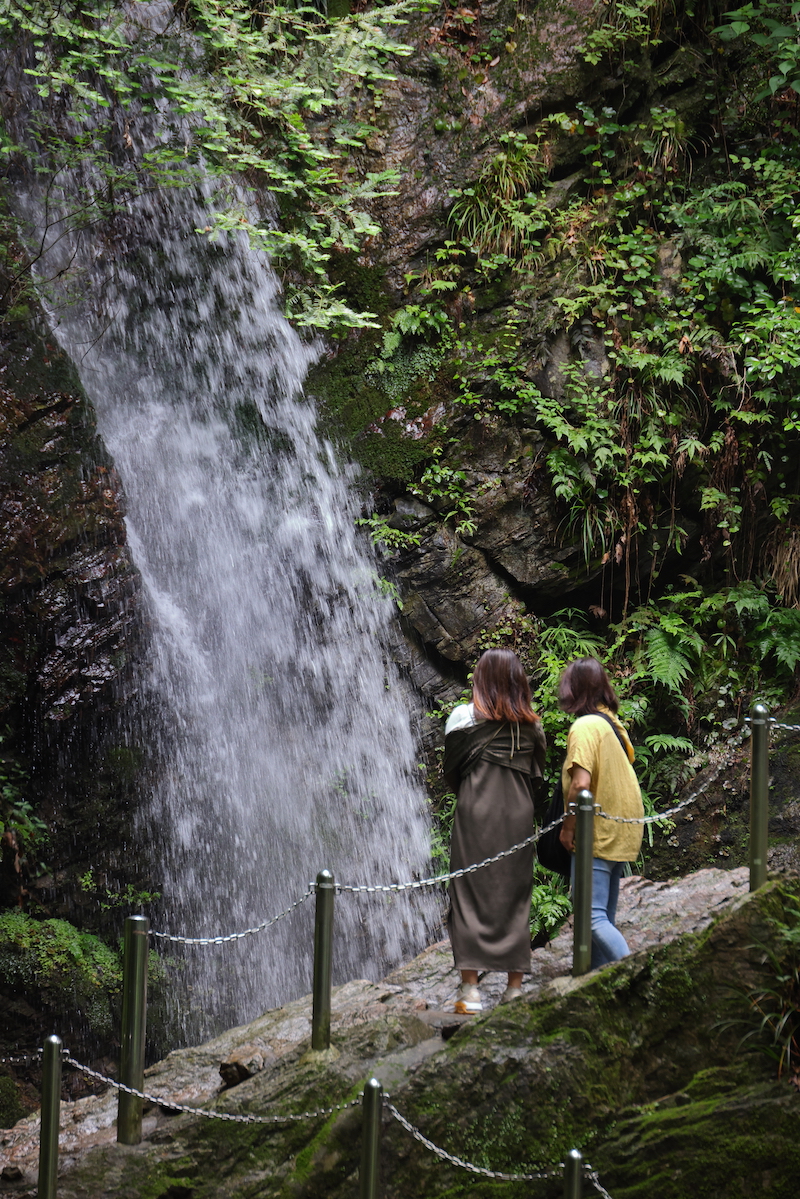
x: 667, y: 742
x: 668, y: 665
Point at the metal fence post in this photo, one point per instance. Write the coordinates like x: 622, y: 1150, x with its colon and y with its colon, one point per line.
x: 134, y: 1021
x: 371, y: 1140
x: 582, y: 890
x: 51, y: 1118
x: 759, y: 794
x: 323, y: 961
x: 573, y: 1175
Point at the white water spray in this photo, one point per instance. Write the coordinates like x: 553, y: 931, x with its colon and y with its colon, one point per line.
x: 287, y: 745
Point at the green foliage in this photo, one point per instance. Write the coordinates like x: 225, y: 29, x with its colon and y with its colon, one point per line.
x: 413, y: 349
x: 51, y: 962
x: 238, y: 96
x: 499, y: 215
x: 623, y: 23
x: 682, y: 393
x: 685, y: 666
x: 551, y: 905
x: 388, y: 539
x: 773, y: 26
x: 441, y: 831
x: 444, y: 486
x: 774, y: 1011
x: 558, y: 641
x: 16, y: 811
x: 128, y: 896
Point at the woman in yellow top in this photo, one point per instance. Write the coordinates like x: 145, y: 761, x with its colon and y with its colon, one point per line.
x: 599, y: 759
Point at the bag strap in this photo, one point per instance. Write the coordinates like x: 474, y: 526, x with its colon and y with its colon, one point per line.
x: 617, y: 733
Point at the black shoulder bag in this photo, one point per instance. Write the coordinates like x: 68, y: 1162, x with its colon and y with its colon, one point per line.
x: 549, y: 850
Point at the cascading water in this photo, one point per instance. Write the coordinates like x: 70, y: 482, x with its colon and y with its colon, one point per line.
x: 287, y: 744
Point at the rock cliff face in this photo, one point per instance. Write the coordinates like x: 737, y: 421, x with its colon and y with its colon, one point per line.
x: 70, y: 622
x: 640, y: 1064
x: 438, y: 124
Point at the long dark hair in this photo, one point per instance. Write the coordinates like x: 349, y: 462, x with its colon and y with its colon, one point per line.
x: 584, y: 686
x: 500, y: 688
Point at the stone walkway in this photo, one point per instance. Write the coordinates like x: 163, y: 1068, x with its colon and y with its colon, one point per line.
x: 649, y: 914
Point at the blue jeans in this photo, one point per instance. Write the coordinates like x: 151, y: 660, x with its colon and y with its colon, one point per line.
x: 608, y: 943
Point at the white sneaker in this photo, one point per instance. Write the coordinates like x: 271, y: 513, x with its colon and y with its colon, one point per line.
x: 510, y: 993
x: 468, y: 1000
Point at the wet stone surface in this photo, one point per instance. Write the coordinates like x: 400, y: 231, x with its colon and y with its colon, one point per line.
x: 399, y: 1021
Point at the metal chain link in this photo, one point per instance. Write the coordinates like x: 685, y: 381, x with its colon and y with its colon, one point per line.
x: 786, y: 728
x: 657, y: 816
x: 438, y: 879
x: 161, y: 1101
x: 775, y: 724
x: 595, y: 1181
x: 248, y: 932
x: 443, y: 878
x: 553, y: 1172
x: 21, y: 1061
x: 458, y: 1161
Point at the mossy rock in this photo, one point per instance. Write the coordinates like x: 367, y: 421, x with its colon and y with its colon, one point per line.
x: 11, y: 1108
x: 741, y: 1145
x: 59, y: 971
x: 384, y: 425
x: 623, y: 1064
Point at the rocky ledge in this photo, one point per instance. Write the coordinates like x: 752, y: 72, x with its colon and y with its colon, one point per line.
x: 645, y: 1051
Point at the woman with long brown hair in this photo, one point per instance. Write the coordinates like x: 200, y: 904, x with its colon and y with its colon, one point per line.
x: 494, y: 753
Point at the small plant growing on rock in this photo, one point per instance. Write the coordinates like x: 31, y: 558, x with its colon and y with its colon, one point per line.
x: 774, y: 1015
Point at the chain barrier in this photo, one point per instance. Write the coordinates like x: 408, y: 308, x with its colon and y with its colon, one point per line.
x: 22, y: 1061
x: 248, y: 932
x: 443, y: 878
x: 725, y: 760
x: 439, y: 879
x: 595, y: 1181
x: 458, y: 1161
x: 784, y: 728
x: 542, y: 1175
x: 172, y: 1105
x: 234, y: 1117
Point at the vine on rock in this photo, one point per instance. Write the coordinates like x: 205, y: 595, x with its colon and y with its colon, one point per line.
x: 263, y: 96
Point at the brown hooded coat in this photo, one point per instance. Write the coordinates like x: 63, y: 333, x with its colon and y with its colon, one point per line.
x: 496, y: 769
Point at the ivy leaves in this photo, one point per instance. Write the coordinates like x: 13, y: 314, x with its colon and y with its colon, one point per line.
x: 269, y: 97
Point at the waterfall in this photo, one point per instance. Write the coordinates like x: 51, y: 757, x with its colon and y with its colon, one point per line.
x: 285, y: 739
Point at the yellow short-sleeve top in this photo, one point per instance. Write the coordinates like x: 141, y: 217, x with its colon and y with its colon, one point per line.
x: 592, y: 744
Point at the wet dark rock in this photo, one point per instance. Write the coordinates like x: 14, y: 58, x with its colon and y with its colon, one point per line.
x: 66, y: 576
x: 71, y: 627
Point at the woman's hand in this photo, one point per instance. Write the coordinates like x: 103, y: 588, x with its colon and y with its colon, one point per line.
x: 580, y: 780
x: 566, y: 834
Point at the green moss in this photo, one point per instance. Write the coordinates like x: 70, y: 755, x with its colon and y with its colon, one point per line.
x: 54, y: 965
x: 359, y: 413
x: 732, y: 1145
x: 362, y: 287
x: 11, y: 1108
x: 320, y: 1146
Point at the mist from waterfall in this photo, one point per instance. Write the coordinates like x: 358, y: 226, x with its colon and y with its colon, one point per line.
x: 285, y: 743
